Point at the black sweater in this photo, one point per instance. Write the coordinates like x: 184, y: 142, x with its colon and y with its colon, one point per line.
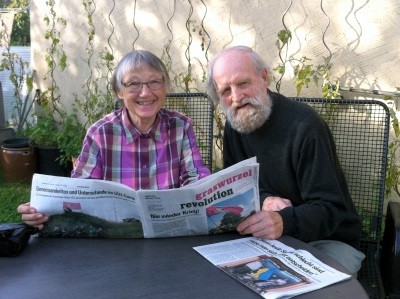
x: 298, y: 161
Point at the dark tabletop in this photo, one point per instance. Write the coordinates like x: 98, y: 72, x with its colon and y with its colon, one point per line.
x: 135, y: 268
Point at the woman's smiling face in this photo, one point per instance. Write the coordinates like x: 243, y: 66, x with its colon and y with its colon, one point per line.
x: 143, y: 104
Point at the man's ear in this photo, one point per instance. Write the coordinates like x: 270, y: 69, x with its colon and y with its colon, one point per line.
x: 264, y: 75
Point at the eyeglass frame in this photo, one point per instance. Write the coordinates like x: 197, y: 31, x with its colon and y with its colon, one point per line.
x: 127, y: 85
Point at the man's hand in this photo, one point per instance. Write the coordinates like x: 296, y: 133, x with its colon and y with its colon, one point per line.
x: 263, y: 224
x: 275, y: 203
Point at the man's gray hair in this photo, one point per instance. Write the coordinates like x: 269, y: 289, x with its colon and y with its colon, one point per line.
x: 258, y: 62
x: 134, y: 60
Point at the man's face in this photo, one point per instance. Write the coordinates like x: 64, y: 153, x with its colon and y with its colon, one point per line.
x: 242, y: 91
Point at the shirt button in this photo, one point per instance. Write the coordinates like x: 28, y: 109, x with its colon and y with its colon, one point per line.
x: 144, y: 166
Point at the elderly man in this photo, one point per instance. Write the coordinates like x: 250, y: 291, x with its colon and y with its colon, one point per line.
x: 302, y: 186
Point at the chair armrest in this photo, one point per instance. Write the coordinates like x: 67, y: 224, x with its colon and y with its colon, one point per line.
x: 390, y: 254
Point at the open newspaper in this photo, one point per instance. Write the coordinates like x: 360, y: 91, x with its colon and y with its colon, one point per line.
x: 271, y: 268
x: 105, y: 209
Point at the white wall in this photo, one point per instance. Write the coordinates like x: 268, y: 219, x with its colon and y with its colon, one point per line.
x: 362, y: 36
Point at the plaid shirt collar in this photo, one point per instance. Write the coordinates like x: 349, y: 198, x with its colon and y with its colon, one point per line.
x: 132, y: 133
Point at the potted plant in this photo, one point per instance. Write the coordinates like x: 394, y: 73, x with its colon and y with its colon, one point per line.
x: 70, y: 137
x: 44, y: 133
x: 17, y: 156
x: 21, y: 79
x: 45, y: 136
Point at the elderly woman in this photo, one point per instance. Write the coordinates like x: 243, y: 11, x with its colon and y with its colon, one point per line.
x: 141, y: 145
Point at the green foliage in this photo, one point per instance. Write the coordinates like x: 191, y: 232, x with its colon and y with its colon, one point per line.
x: 304, y: 71
x: 45, y: 132
x: 20, y: 35
x: 184, y: 80
x: 20, y: 79
x: 95, y: 101
x: 330, y: 86
x: 284, y: 37
x: 67, y: 135
x: 70, y: 137
x: 4, y: 3
x: 393, y: 164
x: 55, y: 57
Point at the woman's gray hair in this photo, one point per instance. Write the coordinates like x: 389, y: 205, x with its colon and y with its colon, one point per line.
x: 134, y: 60
x: 258, y: 62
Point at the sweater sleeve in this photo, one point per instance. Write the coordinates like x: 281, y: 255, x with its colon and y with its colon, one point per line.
x: 324, y: 198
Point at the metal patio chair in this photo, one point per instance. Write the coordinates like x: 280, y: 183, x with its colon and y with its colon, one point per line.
x: 361, y: 132
x: 199, y: 107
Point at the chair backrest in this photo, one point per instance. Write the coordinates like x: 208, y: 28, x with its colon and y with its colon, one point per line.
x: 361, y: 132
x: 199, y: 107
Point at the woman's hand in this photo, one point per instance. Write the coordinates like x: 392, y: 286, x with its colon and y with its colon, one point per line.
x: 30, y: 216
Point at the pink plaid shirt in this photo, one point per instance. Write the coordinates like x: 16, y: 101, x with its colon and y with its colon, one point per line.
x: 166, y: 157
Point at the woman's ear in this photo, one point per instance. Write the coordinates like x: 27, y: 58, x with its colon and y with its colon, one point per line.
x: 119, y: 95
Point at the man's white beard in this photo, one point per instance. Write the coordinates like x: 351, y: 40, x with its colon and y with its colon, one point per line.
x: 251, y: 117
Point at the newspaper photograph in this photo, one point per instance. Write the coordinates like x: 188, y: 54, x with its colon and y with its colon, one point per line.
x: 86, y: 208
x: 105, y: 209
x: 270, y: 268
x: 213, y: 207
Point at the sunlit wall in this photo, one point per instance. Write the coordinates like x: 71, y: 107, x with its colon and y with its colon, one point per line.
x: 360, y: 38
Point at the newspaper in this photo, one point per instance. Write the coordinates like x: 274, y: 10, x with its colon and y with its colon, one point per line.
x: 105, y: 209
x: 271, y: 268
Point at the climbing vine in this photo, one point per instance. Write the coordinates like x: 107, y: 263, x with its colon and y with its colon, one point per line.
x: 304, y: 70
x: 56, y: 58
x: 95, y: 101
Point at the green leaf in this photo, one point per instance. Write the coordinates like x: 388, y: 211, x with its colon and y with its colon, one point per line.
x: 63, y: 61
x: 284, y: 36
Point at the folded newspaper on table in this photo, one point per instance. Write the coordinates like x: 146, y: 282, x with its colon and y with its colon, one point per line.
x: 271, y: 268
x: 105, y: 209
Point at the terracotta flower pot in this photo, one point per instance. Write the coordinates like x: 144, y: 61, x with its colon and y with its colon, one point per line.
x: 18, y: 160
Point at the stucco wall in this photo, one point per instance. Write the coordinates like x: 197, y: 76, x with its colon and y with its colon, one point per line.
x: 362, y: 36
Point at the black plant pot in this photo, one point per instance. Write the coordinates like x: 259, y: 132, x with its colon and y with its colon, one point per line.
x: 47, y: 162
x: 16, y: 143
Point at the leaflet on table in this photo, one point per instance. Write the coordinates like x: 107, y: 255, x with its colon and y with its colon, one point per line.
x: 271, y: 268
x: 105, y: 209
